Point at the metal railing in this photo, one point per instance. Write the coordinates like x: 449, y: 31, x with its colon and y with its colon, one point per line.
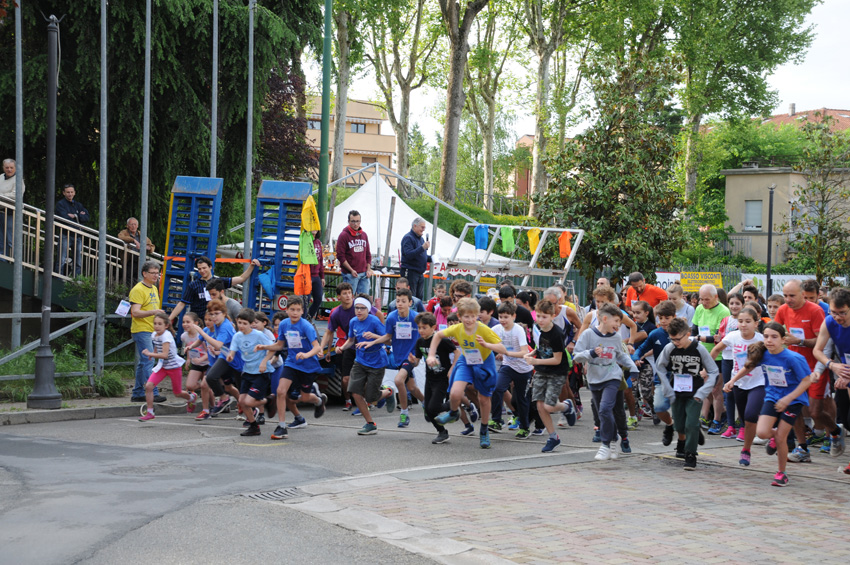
x: 502, y: 205
x: 76, y: 248
x: 737, y: 245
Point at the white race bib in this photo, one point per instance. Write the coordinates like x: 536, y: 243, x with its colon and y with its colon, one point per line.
x: 473, y: 357
x: 207, y: 296
x: 704, y: 331
x: 442, y: 327
x: 293, y: 339
x: 847, y: 358
x: 741, y: 359
x: 799, y: 333
x: 776, y: 376
x: 683, y: 383
x: 403, y: 330
x: 123, y: 308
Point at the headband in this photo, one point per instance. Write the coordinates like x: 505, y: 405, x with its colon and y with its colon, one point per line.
x: 360, y: 301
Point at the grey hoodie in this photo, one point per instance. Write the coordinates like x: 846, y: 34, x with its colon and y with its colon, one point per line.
x: 685, y: 361
x: 606, y: 367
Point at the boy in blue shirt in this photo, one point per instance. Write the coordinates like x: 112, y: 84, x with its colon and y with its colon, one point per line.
x: 370, y: 360
x: 403, y: 332
x: 300, y: 368
x: 255, y: 386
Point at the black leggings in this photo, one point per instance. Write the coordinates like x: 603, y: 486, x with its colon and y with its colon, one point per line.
x: 316, y: 296
x: 749, y: 403
x: 842, y: 407
x: 222, y: 371
x: 436, y: 391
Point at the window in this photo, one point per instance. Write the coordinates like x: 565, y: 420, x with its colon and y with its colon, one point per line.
x: 364, y: 161
x: 358, y: 128
x: 314, y: 124
x: 752, y: 215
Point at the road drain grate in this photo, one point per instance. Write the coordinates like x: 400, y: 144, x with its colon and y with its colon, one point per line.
x: 278, y: 495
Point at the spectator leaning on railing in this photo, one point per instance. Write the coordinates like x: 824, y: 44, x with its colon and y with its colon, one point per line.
x: 133, y: 237
x: 72, y: 211
x: 7, y: 220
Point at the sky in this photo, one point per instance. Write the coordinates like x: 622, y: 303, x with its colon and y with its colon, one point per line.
x: 819, y: 81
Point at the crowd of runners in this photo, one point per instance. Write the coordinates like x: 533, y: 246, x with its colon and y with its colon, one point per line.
x: 771, y: 372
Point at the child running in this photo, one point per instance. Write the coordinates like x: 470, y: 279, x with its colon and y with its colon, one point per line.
x: 477, y: 365
x: 255, y: 385
x: 787, y: 379
x: 601, y: 349
x: 722, y: 400
x: 170, y: 364
x: 748, y: 388
x: 197, y: 360
x: 515, y: 370
x: 436, y: 377
x: 296, y: 379
x: 680, y: 367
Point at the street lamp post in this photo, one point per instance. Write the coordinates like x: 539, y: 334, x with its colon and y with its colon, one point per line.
x: 770, y: 238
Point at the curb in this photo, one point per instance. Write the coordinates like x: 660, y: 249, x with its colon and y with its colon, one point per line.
x: 93, y: 413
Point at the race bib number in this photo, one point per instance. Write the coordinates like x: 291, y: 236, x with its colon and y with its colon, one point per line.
x: 799, y: 333
x: 776, y: 376
x: 741, y: 359
x: 847, y: 358
x: 442, y: 327
x: 403, y: 330
x: 704, y: 331
x: 607, y: 353
x: 123, y: 309
x: 206, y: 296
x: 683, y: 383
x: 293, y: 340
x: 473, y: 357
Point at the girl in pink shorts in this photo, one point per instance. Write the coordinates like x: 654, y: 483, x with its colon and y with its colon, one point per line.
x: 170, y: 363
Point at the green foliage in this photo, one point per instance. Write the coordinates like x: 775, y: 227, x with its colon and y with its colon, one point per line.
x: 613, y: 181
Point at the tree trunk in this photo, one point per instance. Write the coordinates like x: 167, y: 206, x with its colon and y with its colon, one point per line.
x: 401, y: 133
x: 538, y: 171
x: 691, y: 160
x: 455, y: 98
x: 341, y: 108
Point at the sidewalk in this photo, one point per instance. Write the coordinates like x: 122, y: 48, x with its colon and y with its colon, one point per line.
x: 637, y: 508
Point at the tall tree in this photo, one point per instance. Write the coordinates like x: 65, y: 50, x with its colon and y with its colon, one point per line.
x: 614, y: 181
x: 346, y: 16
x: 484, y: 78
x: 401, y: 41
x: 818, y: 222
x: 458, y: 24
x: 729, y: 49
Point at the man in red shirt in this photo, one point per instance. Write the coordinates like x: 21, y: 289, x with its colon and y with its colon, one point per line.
x: 803, y: 321
x: 639, y: 290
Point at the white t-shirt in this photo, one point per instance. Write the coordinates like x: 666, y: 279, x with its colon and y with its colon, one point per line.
x: 514, y: 340
x: 686, y: 312
x: 737, y: 346
x: 174, y: 360
x: 731, y: 326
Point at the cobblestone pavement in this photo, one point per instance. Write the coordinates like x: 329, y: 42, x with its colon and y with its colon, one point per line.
x: 635, y: 509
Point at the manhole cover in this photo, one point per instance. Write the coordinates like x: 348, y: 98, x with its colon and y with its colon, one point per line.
x: 277, y: 495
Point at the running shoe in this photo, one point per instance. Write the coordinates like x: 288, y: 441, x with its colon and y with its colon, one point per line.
x: 690, y: 462
x: 279, y: 432
x: 355, y: 412
x: 730, y: 433
x: 319, y: 410
x: 714, y: 428
x: 625, y: 447
x: 603, y: 454
x: 704, y: 423
x: 826, y: 445
x: 473, y: 413
x: 744, y: 461
x: 442, y: 437
x: 551, y: 444
x: 347, y: 406
x: 390, y: 400
x: 494, y: 426
x: 261, y: 419
x: 513, y: 424
x: 222, y: 407
x: 538, y: 432
x: 190, y: 405
x: 562, y: 421
x: 271, y: 405
x: 403, y: 421
x: 847, y: 469
x: 484, y: 441
x: 800, y: 455
x: 837, y: 442
x: 780, y: 479
x: 631, y: 423
x: 597, y: 437
x: 570, y: 413
x: 468, y: 430
x: 253, y: 430
x: 667, y: 436
x: 814, y: 439
x: 147, y: 417
x: 680, y: 449
x: 204, y: 415
x: 770, y: 447
x: 758, y: 441
x: 298, y: 422
x: 382, y: 402
x: 315, y: 389
x: 645, y: 410
x: 369, y: 429
x: 522, y: 434
x: 656, y: 420
x: 741, y: 435
x: 447, y: 417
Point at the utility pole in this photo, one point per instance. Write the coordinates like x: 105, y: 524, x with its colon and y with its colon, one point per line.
x: 769, y: 281
x: 326, y: 123
x: 44, y: 394
x: 249, y: 157
x: 18, y: 248
x: 146, y: 145
x: 214, y: 113
x: 101, y: 240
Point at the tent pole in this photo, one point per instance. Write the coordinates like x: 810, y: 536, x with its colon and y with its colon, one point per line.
x: 389, y: 233
x: 433, y: 247
x: 327, y: 237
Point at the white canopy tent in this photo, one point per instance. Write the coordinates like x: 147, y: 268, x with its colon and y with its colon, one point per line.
x: 373, y: 201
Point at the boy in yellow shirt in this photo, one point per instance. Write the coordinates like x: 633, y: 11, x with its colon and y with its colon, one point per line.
x: 477, y: 366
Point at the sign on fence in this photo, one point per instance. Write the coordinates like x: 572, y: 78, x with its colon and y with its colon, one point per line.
x: 760, y: 281
x: 691, y: 281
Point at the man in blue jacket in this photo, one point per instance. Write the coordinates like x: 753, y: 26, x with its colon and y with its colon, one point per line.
x: 414, y: 257
x: 72, y: 211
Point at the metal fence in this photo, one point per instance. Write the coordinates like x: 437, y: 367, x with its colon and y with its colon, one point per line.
x: 502, y: 205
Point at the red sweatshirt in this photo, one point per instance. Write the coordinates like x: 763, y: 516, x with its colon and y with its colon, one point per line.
x: 354, y: 249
